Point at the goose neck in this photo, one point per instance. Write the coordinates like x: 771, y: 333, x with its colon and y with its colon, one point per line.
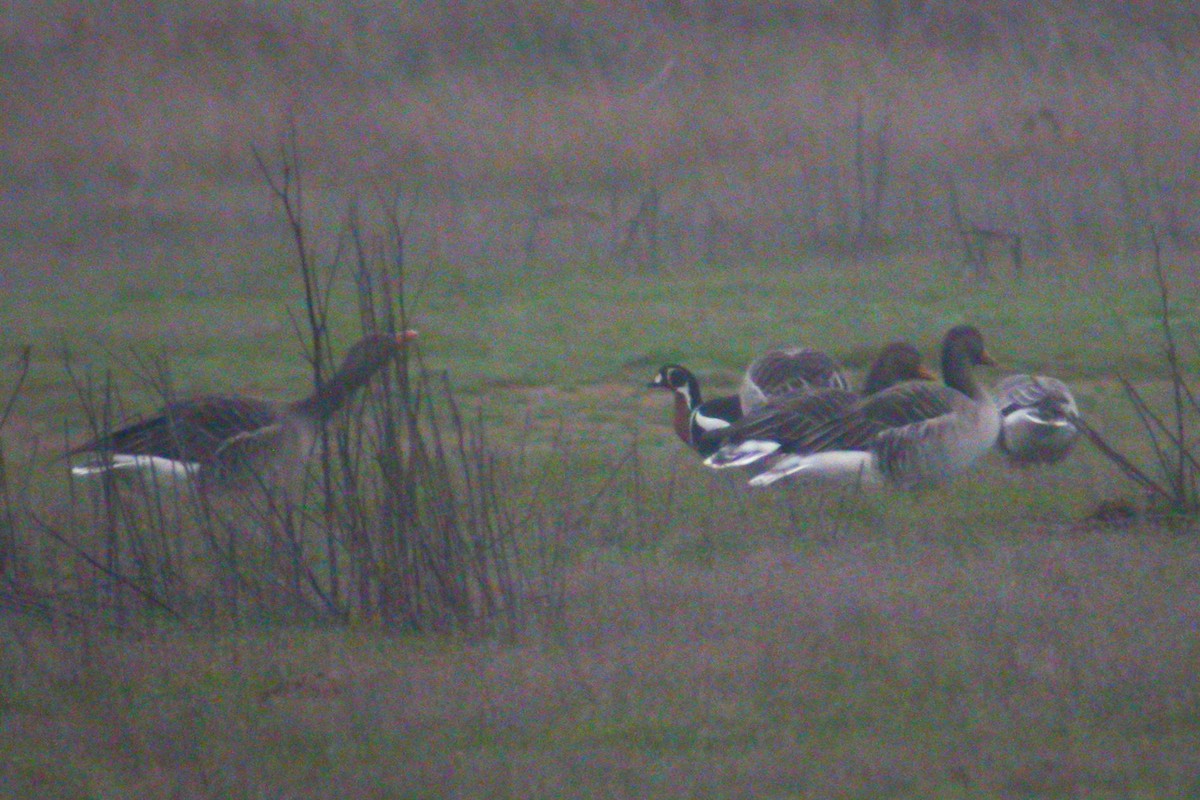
x: 690, y: 392
x: 957, y: 372
x: 332, y: 394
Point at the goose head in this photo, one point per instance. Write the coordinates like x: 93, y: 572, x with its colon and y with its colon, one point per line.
x: 965, y: 341
x: 674, y: 378
x: 369, y: 354
x: 897, y: 362
x: 1050, y: 411
x: 683, y: 384
x: 963, y: 348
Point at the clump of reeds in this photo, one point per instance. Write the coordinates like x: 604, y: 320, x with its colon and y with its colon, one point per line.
x: 407, y: 514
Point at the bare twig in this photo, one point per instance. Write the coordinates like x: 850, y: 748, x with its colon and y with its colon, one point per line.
x: 23, y: 362
x: 124, y: 580
x: 870, y: 178
x: 1122, y: 462
x: 1167, y: 434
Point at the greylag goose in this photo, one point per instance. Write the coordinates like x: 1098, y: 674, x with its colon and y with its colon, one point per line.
x: 911, y: 435
x: 792, y: 418
x: 1037, y: 419
x: 694, y: 419
x: 786, y: 370
x: 226, y: 440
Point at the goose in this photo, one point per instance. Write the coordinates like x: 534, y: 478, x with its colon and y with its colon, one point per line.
x: 694, y: 419
x: 785, y: 370
x: 1037, y: 419
x: 911, y: 435
x: 791, y: 418
x: 223, y: 440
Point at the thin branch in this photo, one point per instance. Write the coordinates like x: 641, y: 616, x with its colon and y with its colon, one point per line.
x: 119, y: 577
x: 23, y: 361
x: 1130, y: 469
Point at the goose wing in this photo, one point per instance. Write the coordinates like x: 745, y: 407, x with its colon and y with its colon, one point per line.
x: 909, y: 403
x: 774, y: 427
x: 784, y: 371
x: 792, y: 417
x: 905, y: 404
x: 1028, y: 391
x: 187, y: 430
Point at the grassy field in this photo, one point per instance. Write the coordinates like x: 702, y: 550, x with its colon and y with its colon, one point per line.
x: 1047, y: 665
x: 585, y: 193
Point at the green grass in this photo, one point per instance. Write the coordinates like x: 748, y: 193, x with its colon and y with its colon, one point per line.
x: 837, y: 669
x: 586, y: 328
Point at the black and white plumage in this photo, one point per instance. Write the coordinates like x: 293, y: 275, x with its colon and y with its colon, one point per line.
x: 694, y: 418
x: 790, y: 419
x: 786, y: 370
x: 1038, y: 419
x: 914, y: 434
x: 226, y: 441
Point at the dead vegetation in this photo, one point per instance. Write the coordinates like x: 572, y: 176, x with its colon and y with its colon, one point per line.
x: 668, y: 134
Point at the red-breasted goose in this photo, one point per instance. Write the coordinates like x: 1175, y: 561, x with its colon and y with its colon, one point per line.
x: 914, y: 434
x: 228, y: 441
x: 786, y: 370
x: 693, y: 419
x: 1037, y: 419
x: 792, y: 418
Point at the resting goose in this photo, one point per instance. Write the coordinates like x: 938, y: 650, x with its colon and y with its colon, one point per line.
x: 786, y: 370
x: 785, y: 420
x: 693, y: 418
x: 913, y: 434
x: 226, y: 440
x: 1037, y: 419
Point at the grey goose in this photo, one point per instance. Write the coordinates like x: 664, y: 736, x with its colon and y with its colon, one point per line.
x: 911, y: 435
x: 786, y: 370
x: 226, y: 440
x: 783, y: 421
x: 1037, y: 419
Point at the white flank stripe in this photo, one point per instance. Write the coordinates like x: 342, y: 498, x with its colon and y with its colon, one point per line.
x: 155, y: 465
x: 741, y: 454
x: 838, y: 466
